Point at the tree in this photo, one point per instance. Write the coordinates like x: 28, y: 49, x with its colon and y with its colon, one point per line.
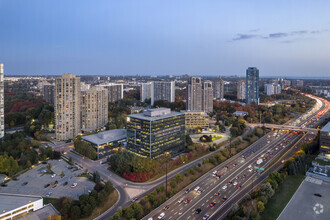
x: 62, y: 174
x: 75, y: 212
x: 96, y: 177
x: 261, y: 206
x: 266, y: 190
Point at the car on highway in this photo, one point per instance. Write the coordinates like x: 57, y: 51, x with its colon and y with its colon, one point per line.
x: 224, y: 198
x: 166, y: 207
x: 187, y: 201
x: 217, y: 194
x: 238, y: 186
x: 224, y: 187
x: 197, y: 188
x: 235, y: 183
x: 161, y: 216
x: 206, y: 217
x: 180, y: 200
x: 197, y: 211
x: 250, y: 170
x: 187, y: 191
x: 212, y: 204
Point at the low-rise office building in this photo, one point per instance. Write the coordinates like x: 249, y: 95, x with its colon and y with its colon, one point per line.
x: 156, y: 131
x: 196, y: 120
x: 325, y: 141
x: 106, y: 141
x: 13, y: 205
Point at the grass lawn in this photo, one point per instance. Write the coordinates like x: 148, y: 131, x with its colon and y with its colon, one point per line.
x: 53, y: 201
x: 282, y: 196
x: 216, y: 138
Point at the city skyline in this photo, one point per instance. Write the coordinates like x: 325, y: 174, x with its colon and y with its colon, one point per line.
x: 153, y: 38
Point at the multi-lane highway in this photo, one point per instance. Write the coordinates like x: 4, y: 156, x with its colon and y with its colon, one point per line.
x: 215, y: 188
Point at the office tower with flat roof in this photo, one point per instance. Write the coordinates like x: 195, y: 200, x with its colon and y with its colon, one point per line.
x: 115, y: 91
x: 241, y: 89
x: 156, y: 131
x: 67, y: 107
x: 2, y: 103
x: 298, y: 83
x: 49, y: 93
x: 252, y: 85
x: 194, y: 94
x: 162, y: 91
x: 218, y: 88
x: 94, y: 109
x: 145, y: 91
x: 207, y: 96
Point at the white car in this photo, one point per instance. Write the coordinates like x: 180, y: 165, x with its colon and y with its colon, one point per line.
x: 250, y: 170
x: 224, y: 187
x: 250, y: 166
x: 180, y: 200
x: 52, y: 176
x: 74, y: 185
x: 161, y: 216
x: 197, y: 188
x: 235, y: 183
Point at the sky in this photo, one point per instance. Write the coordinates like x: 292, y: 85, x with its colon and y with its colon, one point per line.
x: 157, y: 37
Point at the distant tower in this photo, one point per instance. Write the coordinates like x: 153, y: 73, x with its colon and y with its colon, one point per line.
x: 145, y: 91
x: 252, y: 85
x: 194, y: 94
x: 67, y: 107
x: 207, y: 96
x: 162, y: 91
x: 241, y: 89
x: 218, y: 88
x: 2, y: 101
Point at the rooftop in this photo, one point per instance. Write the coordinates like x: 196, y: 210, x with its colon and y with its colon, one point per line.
x: 10, y: 202
x: 156, y: 114
x: 106, y: 136
x: 312, y: 207
x: 326, y: 128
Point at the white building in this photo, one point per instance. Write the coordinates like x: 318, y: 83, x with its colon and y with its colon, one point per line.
x: 13, y: 205
x: 145, y: 91
x: 115, y: 91
x: 162, y: 91
x: 271, y: 89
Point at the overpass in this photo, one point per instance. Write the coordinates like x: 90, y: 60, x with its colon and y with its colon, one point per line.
x: 283, y: 127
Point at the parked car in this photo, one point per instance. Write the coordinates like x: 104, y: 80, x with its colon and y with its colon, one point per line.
x: 74, y: 185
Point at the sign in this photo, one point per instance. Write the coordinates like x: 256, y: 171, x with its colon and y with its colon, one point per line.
x: 256, y: 167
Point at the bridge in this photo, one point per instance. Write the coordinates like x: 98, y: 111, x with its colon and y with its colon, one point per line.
x: 283, y: 127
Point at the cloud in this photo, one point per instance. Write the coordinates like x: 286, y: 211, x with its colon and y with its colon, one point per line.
x: 299, y: 32
x: 277, y: 35
x: 254, y: 30
x: 244, y: 37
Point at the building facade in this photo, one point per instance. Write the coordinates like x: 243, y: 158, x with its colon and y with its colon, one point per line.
x: 272, y: 89
x: 325, y: 141
x: 2, y: 102
x: 196, y: 120
x: 194, y: 94
x: 49, y: 93
x: 241, y: 89
x: 252, y: 85
x: 67, y: 107
x: 94, y: 109
x: 162, y: 91
x: 298, y: 83
x: 218, y: 88
x: 145, y: 91
x: 207, y: 96
x: 156, y: 131
x: 115, y: 91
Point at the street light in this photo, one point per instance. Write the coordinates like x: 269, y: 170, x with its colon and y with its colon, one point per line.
x: 166, y: 155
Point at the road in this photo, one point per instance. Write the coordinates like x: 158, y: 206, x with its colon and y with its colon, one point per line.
x: 229, y: 192
x: 236, y: 171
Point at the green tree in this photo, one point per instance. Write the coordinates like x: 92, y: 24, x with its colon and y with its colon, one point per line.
x: 261, y: 206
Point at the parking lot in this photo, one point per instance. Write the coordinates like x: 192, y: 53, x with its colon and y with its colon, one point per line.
x: 36, y: 180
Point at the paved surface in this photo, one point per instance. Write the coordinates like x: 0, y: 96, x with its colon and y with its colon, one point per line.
x: 37, y: 180
x: 237, y: 171
x: 304, y: 205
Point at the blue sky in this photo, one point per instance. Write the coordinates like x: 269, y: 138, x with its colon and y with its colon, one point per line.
x: 158, y: 37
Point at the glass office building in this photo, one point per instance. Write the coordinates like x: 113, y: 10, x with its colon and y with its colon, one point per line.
x: 155, y: 131
x: 252, y: 85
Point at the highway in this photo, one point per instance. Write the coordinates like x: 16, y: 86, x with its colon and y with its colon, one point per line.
x: 236, y: 172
